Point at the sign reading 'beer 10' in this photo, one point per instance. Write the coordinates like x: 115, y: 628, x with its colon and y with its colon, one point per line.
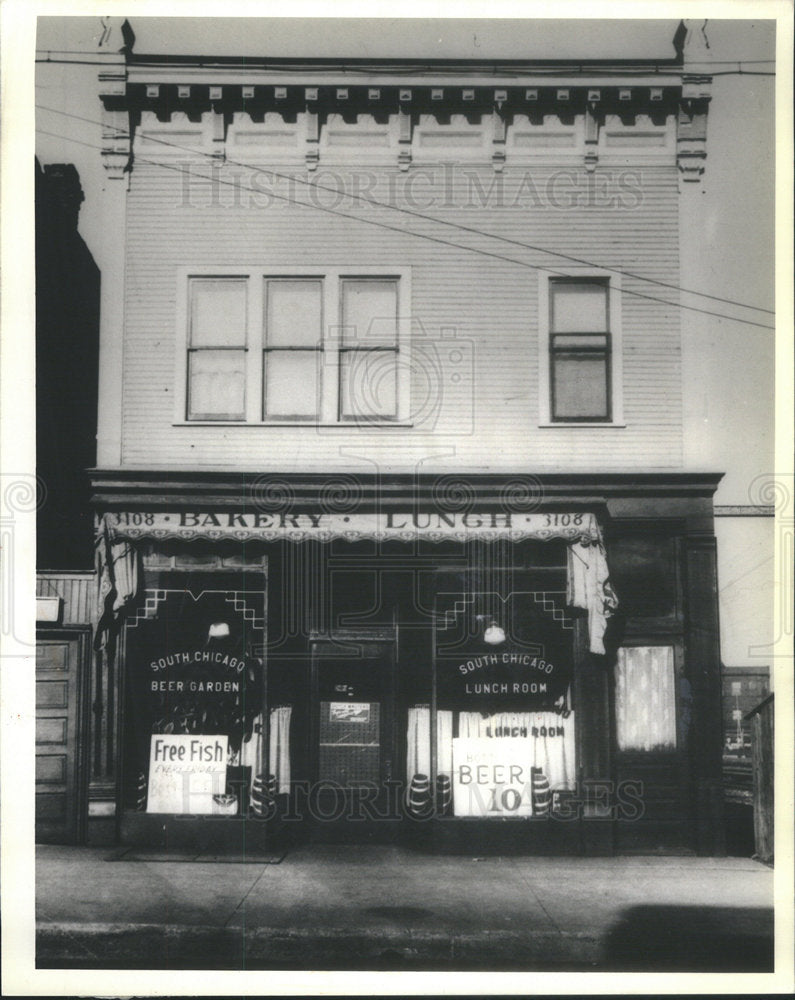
x: 492, y: 777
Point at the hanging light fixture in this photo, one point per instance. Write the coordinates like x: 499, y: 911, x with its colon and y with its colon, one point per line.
x: 494, y: 634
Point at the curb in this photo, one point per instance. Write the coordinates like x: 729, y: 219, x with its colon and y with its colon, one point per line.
x: 158, y: 946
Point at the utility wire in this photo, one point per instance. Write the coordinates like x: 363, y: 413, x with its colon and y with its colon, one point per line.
x: 352, y: 70
x: 430, y: 218
x: 423, y: 65
x: 405, y: 232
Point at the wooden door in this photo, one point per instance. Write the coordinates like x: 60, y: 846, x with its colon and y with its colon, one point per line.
x: 353, y: 734
x: 62, y: 662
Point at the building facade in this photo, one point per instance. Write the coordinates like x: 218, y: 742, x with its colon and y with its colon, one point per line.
x: 394, y: 535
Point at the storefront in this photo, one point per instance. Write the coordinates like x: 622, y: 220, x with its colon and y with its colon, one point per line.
x: 463, y: 666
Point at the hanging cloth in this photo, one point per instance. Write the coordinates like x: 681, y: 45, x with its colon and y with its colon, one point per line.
x: 116, y: 562
x: 588, y: 586
x: 444, y: 742
x: 251, y: 749
x: 418, y: 742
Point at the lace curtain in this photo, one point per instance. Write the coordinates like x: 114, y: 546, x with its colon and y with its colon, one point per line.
x: 646, y: 698
x: 547, y: 748
x: 280, y: 747
x: 418, y: 755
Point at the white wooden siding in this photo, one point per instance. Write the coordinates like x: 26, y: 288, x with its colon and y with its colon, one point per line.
x: 476, y: 314
x: 78, y: 592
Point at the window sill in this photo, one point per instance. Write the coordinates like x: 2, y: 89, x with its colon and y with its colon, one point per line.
x: 593, y: 424
x: 307, y: 424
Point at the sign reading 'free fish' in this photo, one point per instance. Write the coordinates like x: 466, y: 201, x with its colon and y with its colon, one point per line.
x: 185, y: 772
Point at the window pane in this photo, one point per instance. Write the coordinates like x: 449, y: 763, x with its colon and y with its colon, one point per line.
x: 293, y: 310
x: 579, y: 386
x: 645, y: 698
x: 350, y: 743
x: 578, y: 307
x: 217, y: 385
x: 218, y: 312
x: 369, y: 312
x: 291, y: 383
x: 572, y: 342
x: 368, y: 383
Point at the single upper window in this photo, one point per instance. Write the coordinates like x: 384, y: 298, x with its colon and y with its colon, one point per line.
x: 293, y: 346
x: 369, y: 350
x: 297, y: 348
x: 579, y: 349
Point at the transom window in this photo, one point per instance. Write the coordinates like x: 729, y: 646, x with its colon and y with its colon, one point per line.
x: 296, y: 347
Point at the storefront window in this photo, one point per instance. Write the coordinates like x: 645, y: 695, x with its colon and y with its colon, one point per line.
x: 645, y: 698
x: 504, y: 721
x: 196, y: 719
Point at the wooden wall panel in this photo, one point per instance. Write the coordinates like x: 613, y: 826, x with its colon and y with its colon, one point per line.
x: 485, y: 395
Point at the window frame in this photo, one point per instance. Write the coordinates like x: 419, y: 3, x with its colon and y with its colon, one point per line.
x: 614, y: 348
x: 329, y: 353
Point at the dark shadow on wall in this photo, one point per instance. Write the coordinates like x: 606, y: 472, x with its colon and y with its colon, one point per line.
x: 67, y: 349
x: 691, y: 939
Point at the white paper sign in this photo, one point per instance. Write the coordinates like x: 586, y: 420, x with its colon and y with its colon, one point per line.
x: 492, y: 777
x: 349, y: 711
x: 185, y: 772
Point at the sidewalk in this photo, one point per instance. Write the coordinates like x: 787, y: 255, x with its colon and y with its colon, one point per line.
x: 386, y: 907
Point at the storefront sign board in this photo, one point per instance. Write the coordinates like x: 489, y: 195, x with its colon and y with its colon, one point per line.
x: 303, y: 525
x: 492, y: 777
x: 185, y: 772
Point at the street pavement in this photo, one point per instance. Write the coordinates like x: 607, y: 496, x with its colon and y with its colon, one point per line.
x: 390, y: 908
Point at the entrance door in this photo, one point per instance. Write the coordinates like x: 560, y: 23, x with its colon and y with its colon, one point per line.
x: 353, y: 736
x: 61, y: 687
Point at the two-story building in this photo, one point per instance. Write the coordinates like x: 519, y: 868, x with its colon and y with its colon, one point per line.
x: 394, y: 535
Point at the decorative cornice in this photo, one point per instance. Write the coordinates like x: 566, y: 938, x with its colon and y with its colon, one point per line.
x: 492, y: 117
x: 691, y: 132
x: 454, y: 491
x: 293, y: 92
x: 113, y: 49
x: 745, y: 510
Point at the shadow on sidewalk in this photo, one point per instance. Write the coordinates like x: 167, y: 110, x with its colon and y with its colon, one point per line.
x: 691, y: 939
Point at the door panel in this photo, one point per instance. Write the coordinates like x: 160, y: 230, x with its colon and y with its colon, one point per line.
x: 350, y: 743
x: 353, y: 734
x: 61, y: 670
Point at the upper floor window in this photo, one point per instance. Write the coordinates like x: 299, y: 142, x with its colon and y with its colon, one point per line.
x: 299, y: 347
x: 580, y: 349
x: 217, y: 348
x: 579, y: 344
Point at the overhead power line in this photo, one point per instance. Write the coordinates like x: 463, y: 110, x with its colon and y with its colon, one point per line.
x: 357, y: 196
x: 351, y: 62
x: 404, y: 232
